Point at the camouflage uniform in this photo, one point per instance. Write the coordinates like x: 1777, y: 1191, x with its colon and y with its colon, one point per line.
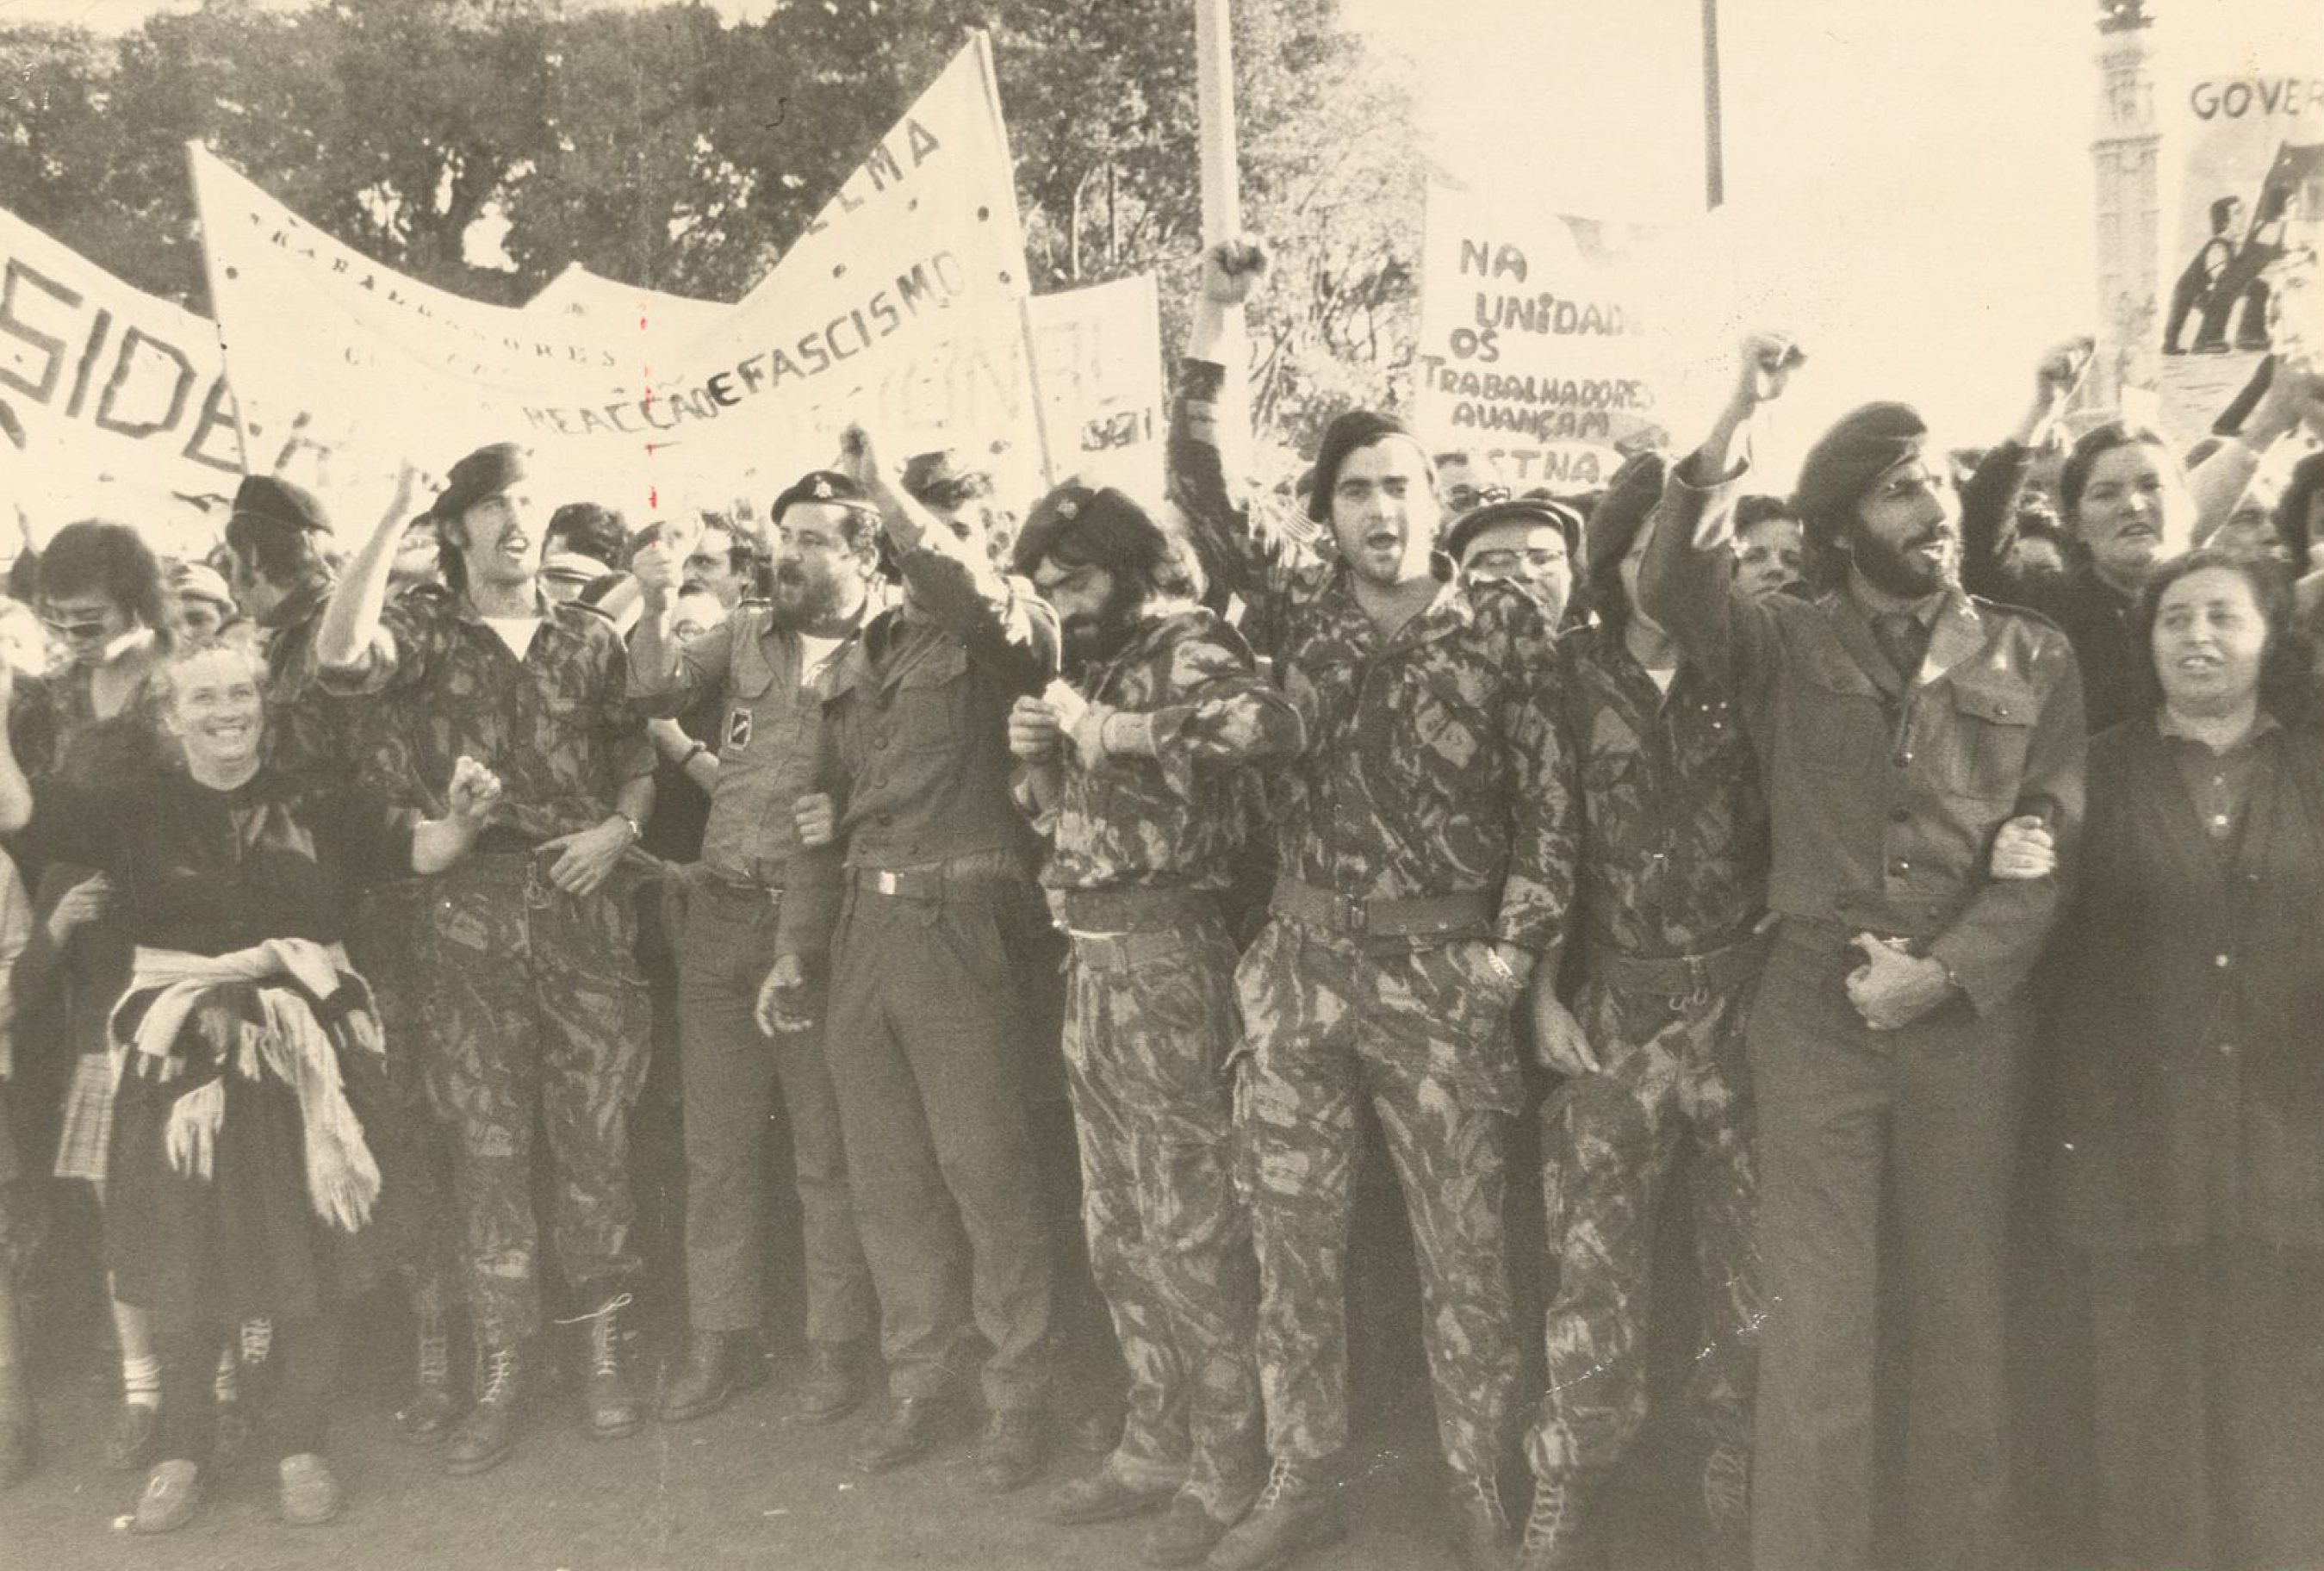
x: 770, y: 713
x: 1431, y: 814
x: 913, y: 903
x: 1673, y: 864
x: 536, y: 1008
x: 1141, y: 847
x: 311, y: 731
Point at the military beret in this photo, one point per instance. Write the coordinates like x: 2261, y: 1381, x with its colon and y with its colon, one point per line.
x: 1864, y: 445
x: 821, y: 485
x: 479, y: 477
x: 268, y: 500
x: 1355, y: 430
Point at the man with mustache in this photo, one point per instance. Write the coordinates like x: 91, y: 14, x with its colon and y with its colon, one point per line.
x: 1899, y: 724
x: 1427, y: 844
x: 538, y: 1014
x: 769, y: 663
x: 1139, y: 774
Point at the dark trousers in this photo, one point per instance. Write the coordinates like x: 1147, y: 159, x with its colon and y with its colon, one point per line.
x: 731, y: 1069
x: 927, y: 1044
x: 1880, y: 1150
x: 302, y: 1364
x: 2209, y: 1405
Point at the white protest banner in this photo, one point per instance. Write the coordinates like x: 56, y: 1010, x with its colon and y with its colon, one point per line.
x: 1533, y: 350
x: 1099, y: 354
x: 112, y: 401
x: 903, y: 304
x: 1098, y: 350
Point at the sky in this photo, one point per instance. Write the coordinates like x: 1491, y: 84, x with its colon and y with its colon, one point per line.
x: 1909, y: 184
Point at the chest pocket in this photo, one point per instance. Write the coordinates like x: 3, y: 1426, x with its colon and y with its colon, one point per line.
x: 1837, y: 720
x: 1987, y: 727
x: 928, y: 705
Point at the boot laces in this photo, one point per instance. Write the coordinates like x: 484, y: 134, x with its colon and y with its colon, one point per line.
x: 604, y: 1334
x: 1552, y: 1510
x: 1283, y: 1478
x: 500, y: 1377
x: 435, y: 1359
x: 257, y: 1340
x: 1484, y: 1491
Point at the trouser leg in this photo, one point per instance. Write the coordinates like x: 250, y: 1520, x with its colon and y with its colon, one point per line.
x: 727, y: 1081
x: 1295, y: 1128
x: 485, y: 1081
x: 1953, y: 1146
x: 305, y: 1357
x: 595, y: 1027
x: 1822, y: 1091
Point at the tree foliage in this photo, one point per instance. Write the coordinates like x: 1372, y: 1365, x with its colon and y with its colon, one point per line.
x: 662, y: 146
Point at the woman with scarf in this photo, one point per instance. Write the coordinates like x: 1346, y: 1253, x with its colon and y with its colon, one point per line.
x: 238, y: 1176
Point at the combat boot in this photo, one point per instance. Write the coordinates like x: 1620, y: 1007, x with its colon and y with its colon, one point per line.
x: 832, y: 1385
x: 426, y: 1419
x: 609, y: 1397
x: 1557, y: 1531
x: 488, y: 1434
x: 1481, y: 1528
x: 1296, y: 1511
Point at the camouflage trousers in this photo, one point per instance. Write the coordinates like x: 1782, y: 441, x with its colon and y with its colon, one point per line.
x: 387, y: 943
x: 536, y: 1010
x: 1149, y: 1028
x: 1424, y: 1035
x: 1673, y: 1083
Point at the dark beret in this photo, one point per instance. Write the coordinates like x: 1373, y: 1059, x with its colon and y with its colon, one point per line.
x: 1866, y: 444
x: 821, y: 485
x: 263, y: 501
x: 479, y: 477
x: 1347, y: 433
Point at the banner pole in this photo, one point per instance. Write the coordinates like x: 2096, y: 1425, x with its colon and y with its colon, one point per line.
x: 1215, y: 98
x: 1714, y: 154
x: 209, y: 274
x: 982, y: 42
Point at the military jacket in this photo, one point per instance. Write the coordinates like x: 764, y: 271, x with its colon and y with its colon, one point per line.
x: 1177, y: 819
x: 769, y: 717
x: 557, y: 726
x: 1674, y: 857
x: 1885, y: 788
x: 1433, y: 764
x: 914, y: 745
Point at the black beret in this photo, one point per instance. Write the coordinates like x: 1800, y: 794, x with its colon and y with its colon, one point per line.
x: 265, y: 501
x: 1518, y: 510
x: 821, y: 485
x: 1866, y: 444
x: 479, y: 477
x: 1355, y: 430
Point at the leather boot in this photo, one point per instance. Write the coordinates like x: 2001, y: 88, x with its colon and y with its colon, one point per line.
x: 1008, y: 1456
x: 1298, y: 1510
x: 488, y: 1434
x: 609, y: 1397
x: 908, y: 1430
x: 1481, y: 1528
x: 717, y: 1364
x: 830, y: 1388
x: 426, y: 1418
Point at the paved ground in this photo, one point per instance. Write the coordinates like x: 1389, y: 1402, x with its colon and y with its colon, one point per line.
x: 744, y: 1488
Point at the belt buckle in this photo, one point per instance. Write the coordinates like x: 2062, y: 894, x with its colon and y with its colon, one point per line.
x: 884, y: 882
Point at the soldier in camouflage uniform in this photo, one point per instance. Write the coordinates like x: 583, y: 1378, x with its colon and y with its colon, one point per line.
x: 1139, y: 774
x: 537, y: 1010
x: 1672, y: 879
x: 1427, y: 849
x: 283, y: 583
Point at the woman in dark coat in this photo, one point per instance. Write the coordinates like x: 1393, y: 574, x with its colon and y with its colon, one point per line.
x: 2189, y: 1025
x: 237, y: 1174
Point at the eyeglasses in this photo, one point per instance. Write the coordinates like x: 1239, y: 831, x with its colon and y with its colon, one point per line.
x: 1511, y: 561
x: 77, y: 632
x: 1464, y: 497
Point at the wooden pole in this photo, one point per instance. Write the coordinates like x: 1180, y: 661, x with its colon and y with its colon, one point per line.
x: 1714, y: 157
x: 1214, y: 95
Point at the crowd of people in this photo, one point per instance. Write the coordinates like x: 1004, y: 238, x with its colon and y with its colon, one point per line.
x: 1917, y: 880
